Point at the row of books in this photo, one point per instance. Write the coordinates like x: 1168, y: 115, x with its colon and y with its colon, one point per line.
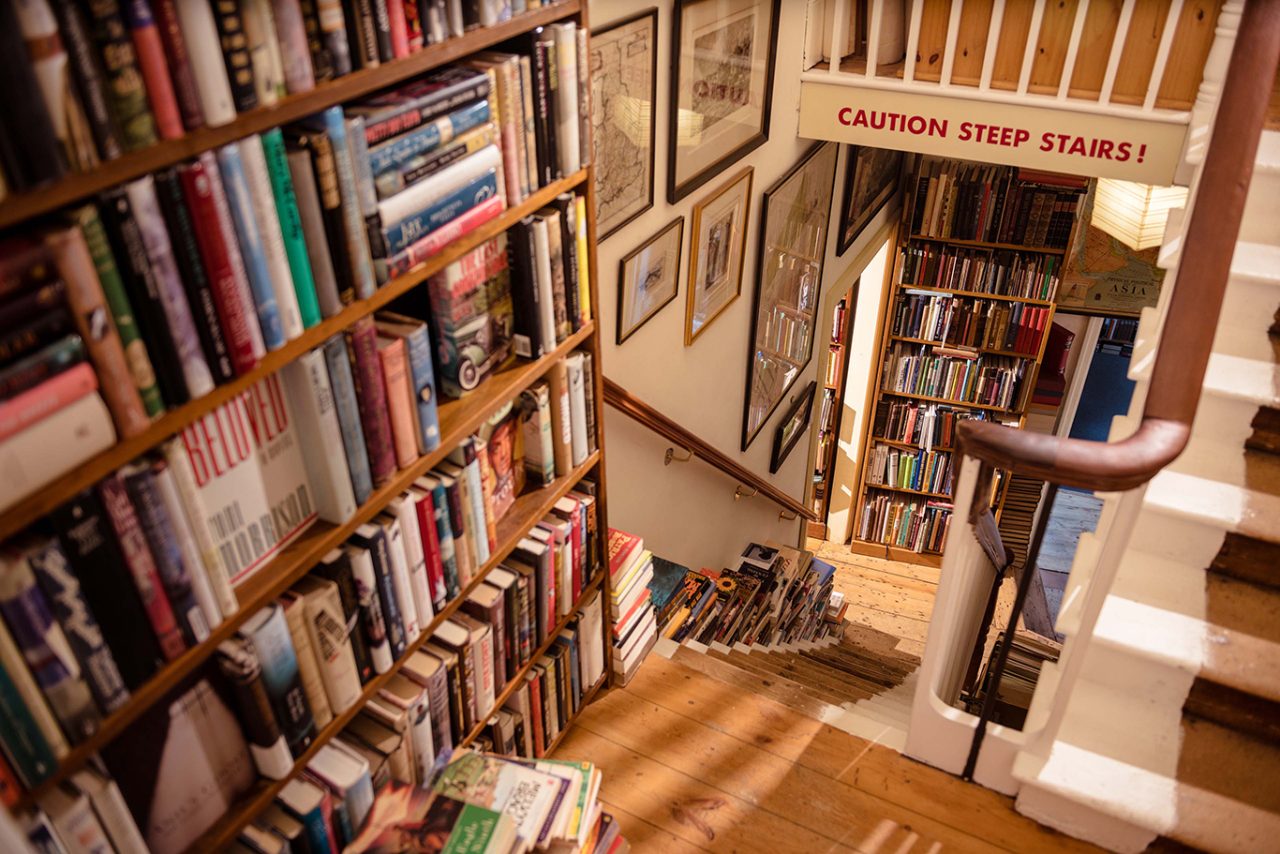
x: 1002, y: 272
x: 1028, y: 653
x: 906, y: 523
x: 986, y: 380
x: 1016, y: 328
x: 635, y: 627
x: 923, y: 471
x: 777, y: 594
x: 838, y: 319
x: 999, y: 204
x: 93, y: 81
x: 926, y: 426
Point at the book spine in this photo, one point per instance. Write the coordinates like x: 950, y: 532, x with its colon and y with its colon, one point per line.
x: 373, y: 623
x: 353, y: 223
x: 544, y: 117
x: 45, y: 649
x: 62, y: 589
x: 381, y: 555
x: 34, y: 335
x: 33, y: 157
x: 583, y: 94
x: 394, y: 153
x: 90, y: 83
x: 291, y: 227
x: 559, y: 290
x: 566, y: 104
x: 507, y: 77
x: 347, y: 407
x: 438, y: 703
x: 49, y: 61
x: 311, y: 400
x: 192, y: 560
x: 249, y: 237
x: 295, y: 615
x: 195, y: 370
x: 371, y: 394
x: 561, y: 418
x: 406, y: 511
x: 182, y: 74
x: 208, y: 68
x: 368, y: 198
x: 191, y: 274
x: 434, y: 243
x: 30, y: 371
x: 31, y: 407
x: 400, y: 583
x: 264, y: 51
x: 564, y: 203
x: 395, y: 373
x: 584, y: 264
x: 404, y: 117
x: 422, y: 167
x: 333, y: 28
x: 526, y: 329
x: 545, y: 283
x: 456, y: 514
x: 418, y: 344
x: 577, y: 408
x: 328, y: 632
x: 155, y: 73
x: 322, y: 300
x: 413, y: 23
x: 406, y: 205
x: 24, y: 744
x: 444, y: 536
x: 321, y: 59
x: 93, y: 320
x: 144, y: 494
x: 135, y: 350
x: 382, y: 31
x: 473, y: 193
x: 240, y: 664
x: 235, y: 53
x: 399, y: 26
x: 228, y: 281
x: 329, y: 192
x: 126, y: 92
x: 283, y: 683
x: 197, y: 516
x: 268, y: 220
x: 533, y: 176
x: 295, y: 52
x: 336, y: 566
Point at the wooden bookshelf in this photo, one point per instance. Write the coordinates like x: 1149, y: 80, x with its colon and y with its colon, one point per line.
x: 1015, y: 413
x: 457, y: 418
x: 829, y: 433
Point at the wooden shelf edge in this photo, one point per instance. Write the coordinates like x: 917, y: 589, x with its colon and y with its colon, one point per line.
x: 77, y: 186
x: 908, y: 491
x: 61, y: 490
x: 298, y: 559
x: 988, y: 244
x: 960, y: 403
x: 906, y: 286
x: 222, y: 833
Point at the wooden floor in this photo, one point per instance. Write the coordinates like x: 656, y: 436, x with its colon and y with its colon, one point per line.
x: 693, y: 763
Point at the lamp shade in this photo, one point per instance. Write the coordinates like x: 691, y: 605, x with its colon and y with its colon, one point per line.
x: 1134, y: 214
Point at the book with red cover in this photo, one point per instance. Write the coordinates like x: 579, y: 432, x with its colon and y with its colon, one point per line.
x: 400, y: 404
x: 621, y: 548
x: 181, y: 75
x: 35, y: 404
x: 424, y: 505
x: 371, y: 396
x: 155, y: 71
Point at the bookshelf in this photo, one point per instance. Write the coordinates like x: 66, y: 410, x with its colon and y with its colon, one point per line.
x: 830, y: 404
x: 458, y: 418
x: 977, y: 263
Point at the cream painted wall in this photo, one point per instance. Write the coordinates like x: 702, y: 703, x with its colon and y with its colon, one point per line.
x: 702, y: 386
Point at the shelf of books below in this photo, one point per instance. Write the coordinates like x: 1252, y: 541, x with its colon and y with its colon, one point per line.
x: 910, y: 286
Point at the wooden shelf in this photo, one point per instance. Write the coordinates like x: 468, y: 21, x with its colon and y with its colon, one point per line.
x: 889, y: 488
x: 986, y: 244
x: 990, y: 350
x: 358, y: 84
x: 526, y: 512
x: 898, y: 553
x: 61, y: 490
x: 960, y: 403
x: 458, y: 419
x: 975, y: 294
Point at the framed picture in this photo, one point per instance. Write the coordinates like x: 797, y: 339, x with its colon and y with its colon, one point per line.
x: 624, y: 90
x: 793, y: 242
x: 792, y: 428
x: 718, y: 246
x: 870, y: 177
x: 721, y: 87
x: 649, y: 277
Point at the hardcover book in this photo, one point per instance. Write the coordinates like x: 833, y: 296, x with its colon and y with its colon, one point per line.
x: 312, y: 404
x: 472, y: 308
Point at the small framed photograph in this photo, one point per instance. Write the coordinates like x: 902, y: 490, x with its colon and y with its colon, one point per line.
x: 721, y: 87
x: 794, y: 425
x: 624, y: 93
x: 718, y: 245
x: 870, y: 177
x: 650, y: 278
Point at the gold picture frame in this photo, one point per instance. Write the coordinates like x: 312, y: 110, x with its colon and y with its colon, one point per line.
x: 717, y: 252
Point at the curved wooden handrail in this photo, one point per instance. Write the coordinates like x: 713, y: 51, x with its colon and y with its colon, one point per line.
x: 1196, y: 301
x: 639, y: 411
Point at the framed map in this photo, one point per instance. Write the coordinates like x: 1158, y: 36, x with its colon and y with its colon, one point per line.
x: 1104, y: 276
x: 721, y: 87
x: 793, y: 243
x: 624, y: 80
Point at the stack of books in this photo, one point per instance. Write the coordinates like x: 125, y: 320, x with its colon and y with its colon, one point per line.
x: 905, y: 522
x: 1026, y: 275
x: 497, y: 803
x: 920, y: 470
x: 959, y: 376
x: 635, y: 628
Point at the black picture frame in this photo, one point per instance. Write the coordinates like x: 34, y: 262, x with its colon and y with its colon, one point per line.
x: 677, y: 190
x: 623, y: 296
x: 797, y: 416
x: 855, y: 213
x: 598, y: 103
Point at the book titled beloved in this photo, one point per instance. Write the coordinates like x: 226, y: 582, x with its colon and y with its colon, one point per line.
x: 250, y: 473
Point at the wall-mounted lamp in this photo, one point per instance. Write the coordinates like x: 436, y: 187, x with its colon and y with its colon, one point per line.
x: 1134, y: 214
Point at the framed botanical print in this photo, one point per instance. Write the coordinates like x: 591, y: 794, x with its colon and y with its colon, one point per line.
x: 792, y: 428
x: 624, y: 81
x: 721, y: 87
x: 717, y: 248
x: 793, y: 242
x: 649, y: 277
x: 870, y: 177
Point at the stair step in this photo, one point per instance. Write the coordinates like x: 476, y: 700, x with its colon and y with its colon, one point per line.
x: 775, y: 667
x: 1248, y: 559
x: 788, y: 693
x: 1230, y: 763
x: 1265, y: 437
x: 837, y: 684
x: 1222, y: 506
x: 854, y: 665
x: 1241, y: 711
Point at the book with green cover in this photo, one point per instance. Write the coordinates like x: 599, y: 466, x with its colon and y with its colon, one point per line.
x: 26, y: 748
x: 295, y: 244
x: 408, y: 819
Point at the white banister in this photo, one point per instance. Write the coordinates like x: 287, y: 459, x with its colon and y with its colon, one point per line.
x: 953, y: 32
x: 1117, y: 48
x: 1073, y: 48
x: 1162, y: 55
x: 993, y: 41
x: 873, y: 37
x: 913, y: 40
x: 838, y: 22
x: 1029, y: 54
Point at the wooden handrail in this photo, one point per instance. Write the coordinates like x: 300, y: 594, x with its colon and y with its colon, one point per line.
x: 1189, y: 327
x: 637, y: 410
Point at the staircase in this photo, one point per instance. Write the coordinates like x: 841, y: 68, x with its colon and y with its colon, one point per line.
x: 1173, y: 729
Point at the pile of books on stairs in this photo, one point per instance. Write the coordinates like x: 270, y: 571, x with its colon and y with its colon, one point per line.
x: 635, y: 628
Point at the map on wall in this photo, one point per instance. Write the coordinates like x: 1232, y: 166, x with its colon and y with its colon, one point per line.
x: 622, y: 92
x: 1104, y: 276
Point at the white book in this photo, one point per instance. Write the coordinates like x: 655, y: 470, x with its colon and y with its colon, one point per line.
x: 480, y: 642
x: 347, y: 775
x: 400, y: 576
x: 310, y: 395
x: 565, y: 41
x: 113, y: 812
x: 530, y: 135
x: 197, y: 517
x: 200, y: 33
x: 295, y: 617
x: 577, y: 407
x: 422, y: 195
x: 405, y: 509
x: 544, y: 283
x: 191, y: 559
x: 268, y: 219
x: 327, y: 629
x: 404, y: 693
x: 74, y: 821
x: 264, y: 50
x: 367, y: 590
x: 591, y: 640
x: 78, y: 431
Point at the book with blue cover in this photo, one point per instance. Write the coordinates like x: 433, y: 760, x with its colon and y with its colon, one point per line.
x: 335, y: 126
x: 344, y: 399
x: 418, y: 225
x: 248, y: 236
x: 395, y: 152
